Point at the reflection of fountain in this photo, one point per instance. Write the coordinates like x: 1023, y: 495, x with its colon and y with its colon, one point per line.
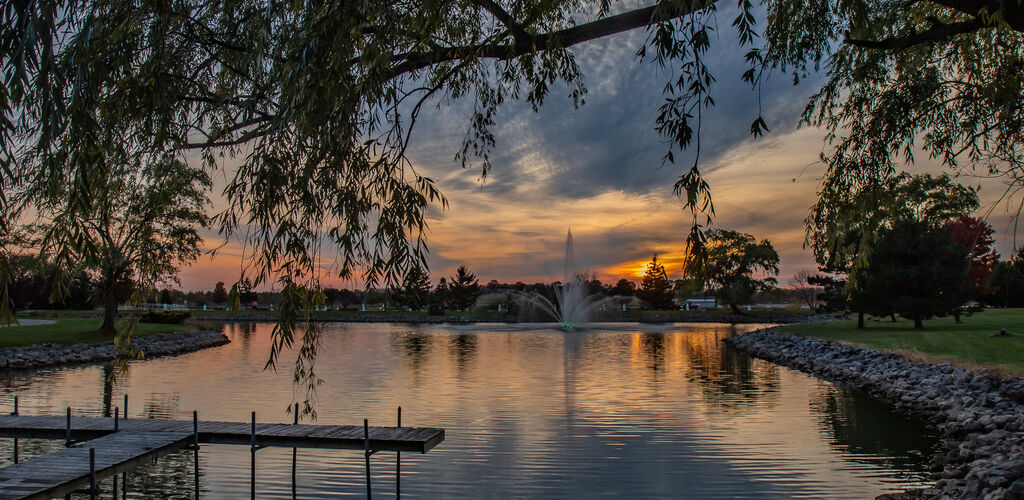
x: 572, y: 306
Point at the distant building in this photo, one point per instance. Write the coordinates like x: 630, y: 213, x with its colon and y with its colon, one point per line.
x: 701, y: 303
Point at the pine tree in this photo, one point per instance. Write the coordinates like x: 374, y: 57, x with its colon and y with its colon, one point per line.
x: 464, y: 289
x: 415, y: 288
x: 655, y: 288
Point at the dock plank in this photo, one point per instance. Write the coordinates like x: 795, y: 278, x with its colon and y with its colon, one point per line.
x: 67, y: 470
x: 415, y: 439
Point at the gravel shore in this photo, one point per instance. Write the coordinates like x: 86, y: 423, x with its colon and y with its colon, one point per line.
x: 41, y: 355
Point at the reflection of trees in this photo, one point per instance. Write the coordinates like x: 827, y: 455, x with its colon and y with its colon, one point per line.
x: 652, y: 345
x: 172, y: 477
x: 727, y: 377
x: 415, y: 344
x: 858, y: 424
x: 108, y: 387
x: 463, y: 347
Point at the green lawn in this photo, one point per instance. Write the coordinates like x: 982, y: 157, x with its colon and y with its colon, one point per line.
x: 69, y: 331
x: 970, y: 343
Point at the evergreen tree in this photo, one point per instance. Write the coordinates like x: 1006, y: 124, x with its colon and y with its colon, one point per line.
x: 415, y: 288
x: 220, y: 294
x: 916, y: 271
x: 655, y: 287
x: 464, y: 289
x: 440, y: 298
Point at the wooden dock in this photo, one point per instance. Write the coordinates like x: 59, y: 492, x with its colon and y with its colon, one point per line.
x: 69, y: 470
x: 344, y: 437
x: 107, y: 446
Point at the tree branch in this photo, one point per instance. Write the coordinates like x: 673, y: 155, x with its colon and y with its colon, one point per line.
x: 936, y: 33
x: 563, y: 38
x: 518, y: 32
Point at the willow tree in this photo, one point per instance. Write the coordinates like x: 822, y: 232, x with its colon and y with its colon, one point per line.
x: 317, y: 102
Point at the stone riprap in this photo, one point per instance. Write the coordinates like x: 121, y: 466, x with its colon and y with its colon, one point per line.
x: 163, y: 344
x: 981, y: 414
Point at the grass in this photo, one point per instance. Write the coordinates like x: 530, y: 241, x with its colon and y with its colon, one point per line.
x: 68, y: 331
x: 969, y: 344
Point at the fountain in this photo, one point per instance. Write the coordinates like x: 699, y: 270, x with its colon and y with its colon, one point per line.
x: 572, y: 306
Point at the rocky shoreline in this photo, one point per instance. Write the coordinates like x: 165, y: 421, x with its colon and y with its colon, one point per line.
x: 981, y: 414
x: 163, y: 344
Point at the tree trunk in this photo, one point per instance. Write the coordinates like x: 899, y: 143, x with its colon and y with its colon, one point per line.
x: 893, y: 316
x: 736, y: 310
x: 860, y: 320
x: 956, y: 316
x: 109, y: 326
x: 918, y: 324
x: 109, y: 295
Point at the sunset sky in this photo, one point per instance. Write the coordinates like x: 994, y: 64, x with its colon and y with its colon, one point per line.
x: 598, y: 171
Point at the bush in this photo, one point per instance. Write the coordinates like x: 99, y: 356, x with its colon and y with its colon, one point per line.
x: 167, y: 317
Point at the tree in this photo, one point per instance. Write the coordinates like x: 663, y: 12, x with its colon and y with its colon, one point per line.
x: 463, y: 289
x: 440, y: 298
x: 623, y: 288
x: 655, y: 287
x: 916, y: 271
x: 220, y: 294
x: 805, y: 288
x: 416, y: 288
x: 975, y: 235
x: 738, y: 266
x: 140, y: 226
x: 1006, y: 284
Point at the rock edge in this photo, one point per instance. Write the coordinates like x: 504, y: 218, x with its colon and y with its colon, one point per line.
x: 162, y: 344
x: 981, y: 414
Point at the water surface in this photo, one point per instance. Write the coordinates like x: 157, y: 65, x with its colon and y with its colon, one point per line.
x: 529, y: 412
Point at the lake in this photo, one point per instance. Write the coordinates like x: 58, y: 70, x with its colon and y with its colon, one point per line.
x: 529, y: 411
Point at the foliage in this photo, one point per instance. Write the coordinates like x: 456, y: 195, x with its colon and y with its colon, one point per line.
x: 916, y: 271
x: 140, y: 225
x: 655, y: 288
x: 165, y: 317
x: 832, y: 282
x: 623, y: 288
x: 738, y: 266
x: 220, y: 294
x: 1006, y: 284
x: 440, y: 298
x: 463, y: 289
x: 975, y: 235
x: 415, y: 291
x: 843, y: 226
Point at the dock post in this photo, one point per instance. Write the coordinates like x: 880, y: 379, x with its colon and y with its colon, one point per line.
x: 67, y: 431
x: 92, y: 473
x: 15, y: 413
x: 124, y: 486
x: 113, y: 487
x: 195, y: 447
x: 295, y: 453
x: 398, y: 463
x: 252, y: 459
x: 366, y: 454
x: 126, y: 406
x: 117, y: 411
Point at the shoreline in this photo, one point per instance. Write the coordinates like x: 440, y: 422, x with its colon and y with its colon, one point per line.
x: 980, y: 414
x: 161, y: 344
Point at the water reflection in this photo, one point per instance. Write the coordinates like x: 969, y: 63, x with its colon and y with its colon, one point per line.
x: 851, y: 420
x: 642, y: 411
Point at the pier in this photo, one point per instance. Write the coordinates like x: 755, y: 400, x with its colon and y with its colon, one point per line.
x: 100, y: 447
